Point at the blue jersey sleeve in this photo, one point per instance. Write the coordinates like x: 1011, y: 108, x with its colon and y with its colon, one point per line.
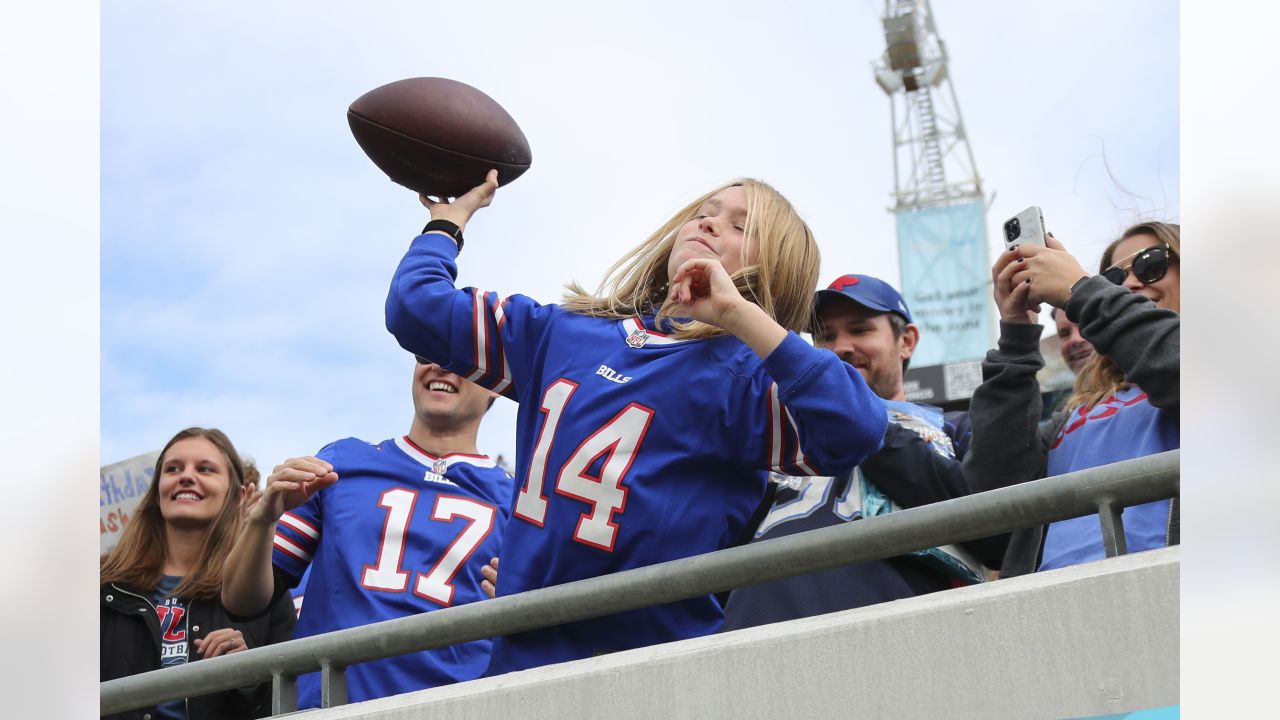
x: 298, y: 530
x: 479, y: 335
x: 821, y: 417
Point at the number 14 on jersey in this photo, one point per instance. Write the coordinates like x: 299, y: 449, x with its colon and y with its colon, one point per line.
x: 617, y: 442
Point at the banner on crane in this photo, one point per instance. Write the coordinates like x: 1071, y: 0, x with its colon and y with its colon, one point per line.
x: 946, y: 279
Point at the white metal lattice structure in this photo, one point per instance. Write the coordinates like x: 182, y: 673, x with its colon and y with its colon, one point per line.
x: 932, y: 162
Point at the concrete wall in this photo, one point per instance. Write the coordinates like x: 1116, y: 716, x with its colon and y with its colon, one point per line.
x: 1091, y: 640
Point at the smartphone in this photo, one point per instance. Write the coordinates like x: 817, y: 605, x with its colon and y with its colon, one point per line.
x: 1027, y: 227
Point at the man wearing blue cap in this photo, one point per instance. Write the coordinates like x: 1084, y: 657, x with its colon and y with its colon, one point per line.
x: 866, y: 322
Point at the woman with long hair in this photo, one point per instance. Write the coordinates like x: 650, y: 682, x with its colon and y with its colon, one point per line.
x: 1125, y: 403
x: 650, y: 410
x: 161, y: 584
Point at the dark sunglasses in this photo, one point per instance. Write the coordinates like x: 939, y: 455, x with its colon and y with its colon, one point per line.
x: 421, y: 360
x: 1148, y: 266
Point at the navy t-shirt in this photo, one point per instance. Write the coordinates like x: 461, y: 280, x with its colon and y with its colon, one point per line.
x: 172, y: 612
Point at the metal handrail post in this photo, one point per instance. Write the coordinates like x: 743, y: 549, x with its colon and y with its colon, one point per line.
x: 284, y: 693
x: 1113, y: 540
x: 333, y: 684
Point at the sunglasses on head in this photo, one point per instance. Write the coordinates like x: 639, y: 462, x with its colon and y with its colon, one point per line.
x: 1148, y: 266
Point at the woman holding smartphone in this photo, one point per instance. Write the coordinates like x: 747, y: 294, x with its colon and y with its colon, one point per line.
x: 1125, y: 403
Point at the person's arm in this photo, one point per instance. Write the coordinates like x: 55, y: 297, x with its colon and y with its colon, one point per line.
x: 825, y: 403
x: 1140, y: 337
x: 248, y: 583
x: 476, y: 334
x: 911, y: 472
x: 1005, y: 447
x: 1004, y: 412
x: 283, y: 617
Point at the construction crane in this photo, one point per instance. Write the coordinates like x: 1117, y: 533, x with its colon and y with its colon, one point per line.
x: 932, y: 161
x: 939, y: 206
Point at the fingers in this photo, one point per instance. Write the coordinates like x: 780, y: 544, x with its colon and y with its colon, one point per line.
x: 321, y: 482
x: 1052, y: 242
x: 490, y: 583
x: 694, y: 278
x: 482, y: 194
x: 300, y: 469
x: 1006, y: 258
x: 292, y: 483
x: 220, y: 642
x: 250, y: 495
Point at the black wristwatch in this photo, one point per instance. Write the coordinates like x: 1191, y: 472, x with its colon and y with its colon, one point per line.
x: 446, y: 227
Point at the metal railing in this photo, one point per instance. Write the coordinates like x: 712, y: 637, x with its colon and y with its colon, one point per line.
x: 1103, y: 490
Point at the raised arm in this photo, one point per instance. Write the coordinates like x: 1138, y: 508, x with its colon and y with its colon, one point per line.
x: 825, y: 403
x: 1004, y: 413
x: 248, y: 583
x: 1140, y: 337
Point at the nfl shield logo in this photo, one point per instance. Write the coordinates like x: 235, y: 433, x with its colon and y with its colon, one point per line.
x: 638, y: 338
x: 439, y: 466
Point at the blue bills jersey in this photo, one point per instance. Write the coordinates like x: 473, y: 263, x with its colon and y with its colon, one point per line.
x: 633, y: 447
x: 402, y: 532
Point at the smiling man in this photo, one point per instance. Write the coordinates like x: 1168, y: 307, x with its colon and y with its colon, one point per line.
x: 387, y: 530
x: 1075, y: 350
x: 865, y: 321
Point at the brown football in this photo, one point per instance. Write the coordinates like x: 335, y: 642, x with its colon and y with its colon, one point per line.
x: 438, y: 136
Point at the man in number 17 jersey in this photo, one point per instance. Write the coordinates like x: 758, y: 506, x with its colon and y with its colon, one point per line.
x: 388, y: 530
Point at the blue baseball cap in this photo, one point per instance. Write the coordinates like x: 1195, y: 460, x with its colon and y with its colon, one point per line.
x: 867, y: 291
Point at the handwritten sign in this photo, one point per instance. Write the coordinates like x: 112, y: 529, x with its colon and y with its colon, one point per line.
x: 122, y: 486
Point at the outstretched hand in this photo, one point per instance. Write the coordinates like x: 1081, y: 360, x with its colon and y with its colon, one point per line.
x: 291, y: 484
x: 460, y: 209
x: 706, y: 292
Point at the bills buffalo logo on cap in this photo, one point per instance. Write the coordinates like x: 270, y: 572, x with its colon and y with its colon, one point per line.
x: 843, y: 282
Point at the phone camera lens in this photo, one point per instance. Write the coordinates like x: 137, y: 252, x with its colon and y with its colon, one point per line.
x: 1012, y: 229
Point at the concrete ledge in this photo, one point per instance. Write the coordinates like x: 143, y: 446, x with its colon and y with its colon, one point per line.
x: 1094, y: 639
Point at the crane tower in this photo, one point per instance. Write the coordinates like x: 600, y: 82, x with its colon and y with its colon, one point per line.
x: 939, y: 207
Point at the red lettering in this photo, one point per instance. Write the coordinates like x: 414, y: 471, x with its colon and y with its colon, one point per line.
x: 1107, y: 411
x: 171, y: 630
x: 1137, y: 399
x: 1104, y: 410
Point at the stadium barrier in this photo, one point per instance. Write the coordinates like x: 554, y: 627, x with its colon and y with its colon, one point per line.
x: 1103, y: 490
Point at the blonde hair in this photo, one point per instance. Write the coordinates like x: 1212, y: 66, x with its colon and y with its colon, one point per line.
x: 137, y: 560
x: 1101, y: 377
x: 781, y: 281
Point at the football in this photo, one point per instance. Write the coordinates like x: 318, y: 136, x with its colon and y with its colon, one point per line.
x: 438, y: 136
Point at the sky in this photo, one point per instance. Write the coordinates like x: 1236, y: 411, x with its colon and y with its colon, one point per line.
x: 247, y: 243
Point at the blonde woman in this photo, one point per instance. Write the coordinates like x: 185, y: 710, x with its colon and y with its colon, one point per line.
x: 651, y: 410
x: 1125, y: 403
x: 161, y: 584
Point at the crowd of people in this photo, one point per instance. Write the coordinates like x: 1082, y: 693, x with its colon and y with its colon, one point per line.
x: 674, y: 411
